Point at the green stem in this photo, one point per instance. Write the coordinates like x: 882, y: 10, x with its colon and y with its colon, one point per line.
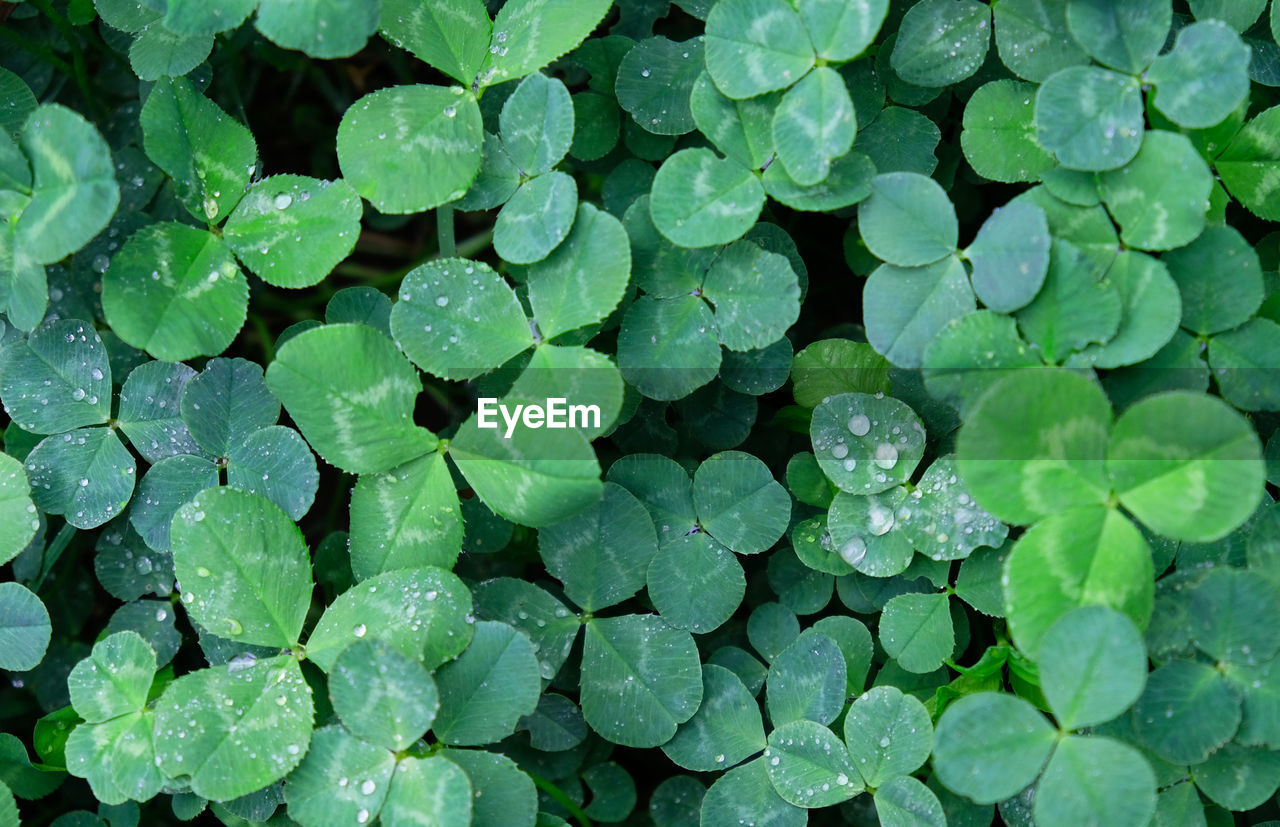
x: 564, y: 800
x: 444, y: 232
x: 45, y: 54
x: 52, y: 552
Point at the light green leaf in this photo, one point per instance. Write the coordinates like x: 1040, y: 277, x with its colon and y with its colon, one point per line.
x: 865, y: 443
x: 654, y: 82
x: 1219, y: 278
x: 1088, y: 556
x: 166, y: 487
x: 537, y: 124
x: 457, y: 319
x: 57, y: 379
x: 808, y: 765
x: 502, y: 793
x: 813, y: 125
x: 276, y: 463
x: 536, y: 219
x: 321, y: 28
x: 602, y: 553
x: 989, y: 745
x: 1093, y: 666
x: 806, y: 681
x: 908, y: 220
x: 451, y: 35
x: 254, y: 726
x: 18, y: 519
x: 243, y: 566
x: 430, y: 790
x: 971, y: 354
x: 411, y: 148
x: 529, y: 34
x: 73, y: 187
x: 225, y: 403
x: 640, y: 679
x: 158, y: 54
x: 848, y: 183
x: 1238, y: 778
x: 1158, y: 210
x: 743, y: 795
x: 291, y: 231
x: 1223, y: 613
x: 24, y: 628
x: 860, y: 533
x: 1151, y: 307
x: 916, y: 631
x: 24, y: 286
x: 552, y: 627
x: 117, y: 758
x: 580, y: 380
x: 316, y: 792
x: 1033, y: 445
x: 1090, y: 118
x: 491, y: 685
x: 725, y: 730
x: 906, y: 802
x: 1204, y: 78
x: 1243, y: 360
x: 352, y: 394
x: 1250, y: 161
x: 700, y: 199
x: 209, y: 156
x: 1095, y: 780
x: 888, y: 733
x: 1187, y: 465
x: 1074, y: 309
x: 905, y: 308
x: 583, y: 279
x: 1187, y: 711
x: 190, y: 17
x: 999, y: 134
x: 941, y: 520
x: 695, y: 583
x: 756, y: 46
x: 150, y: 410
x: 87, y: 475
x: 832, y: 366
x: 841, y: 31
x: 1122, y: 34
x: 406, y: 517
x: 1238, y: 14
x: 1033, y: 39
x: 667, y: 348
x: 740, y: 503
x: 175, y: 292
x: 1010, y: 256
x: 114, y: 679
x: 740, y: 129
x: 941, y: 42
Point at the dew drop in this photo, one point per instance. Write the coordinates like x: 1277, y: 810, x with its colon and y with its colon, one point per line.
x: 859, y: 425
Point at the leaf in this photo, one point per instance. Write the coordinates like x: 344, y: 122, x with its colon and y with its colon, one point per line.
x: 1242, y: 359
x: 582, y: 281
x: 1237, y: 15
x: 906, y: 802
x: 86, y: 475
x: 489, y: 687
x: 808, y: 765
x: 352, y: 395
x: 432, y: 788
x: 640, y: 679
x: 1073, y: 310
x: 1010, y: 256
x: 1090, y: 118
x: 840, y: 31
x: 725, y: 730
x: 654, y: 81
x: 57, y: 379
x: 848, y: 183
x: 406, y: 517
x: 866, y: 444
x: 451, y: 35
x: 1157, y: 210
x: 150, y: 410
x: 422, y: 613
x: 24, y: 288
x: 225, y: 403
x: 908, y: 220
x: 602, y: 553
x: 529, y: 34
x: 1199, y: 479
x: 537, y: 124
x: 739, y: 502
x: 1204, y: 78
x: 221, y: 755
x: 667, y: 348
x: 167, y: 486
x: 22, y: 102
x: 1033, y: 445
x: 972, y: 353
x: 329, y: 784
x: 209, y: 156
x: 1237, y: 778
x: 744, y: 794
x: 1151, y: 308
x: 1222, y: 616
x: 989, y: 745
x: 806, y: 681
x: 700, y: 200
x: 905, y: 308
x: 537, y: 218
x: 552, y: 627
x: 584, y: 387
x: 1033, y: 39
x: 888, y: 733
x: 1125, y: 35
x: 158, y: 53
x: 185, y: 17
x: 941, y: 520
x: 1093, y: 666
x: 18, y: 519
x: 116, y: 757
x: 126, y: 567
x: 502, y: 792
x: 695, y: 583
x: 291, y: 231
x: 1219, y: 278
x: 1186, y: 712
x: 741, y: 129
x: 766, y: 37
x: 1088, y: 556
x: 435, y: 148
x: 916, y: 631
x: 306, y: 26
x: 114, y: 680
x: 243, y: 566
x: 941, y: 42
x: 813, y: 125
x: 175, y: 292
x: 473, y: 316
x: 1092, y: 779
x: 860, y: 533
x: 276, y: 463
x: 73, y: 186
x: 831, y: 366
x: 24, y: 628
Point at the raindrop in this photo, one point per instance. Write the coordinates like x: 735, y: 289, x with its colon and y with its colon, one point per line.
x: 442, y: 301
x: 859, y: 425
x: 886, y: 456
x: 359, y: 630
x: 283, y: 200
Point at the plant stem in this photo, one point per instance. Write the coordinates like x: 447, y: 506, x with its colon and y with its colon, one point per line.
x: 444, y: 232
x: 562, y: 799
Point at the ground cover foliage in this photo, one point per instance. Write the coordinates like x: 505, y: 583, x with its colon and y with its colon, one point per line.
x: 934, y: 345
